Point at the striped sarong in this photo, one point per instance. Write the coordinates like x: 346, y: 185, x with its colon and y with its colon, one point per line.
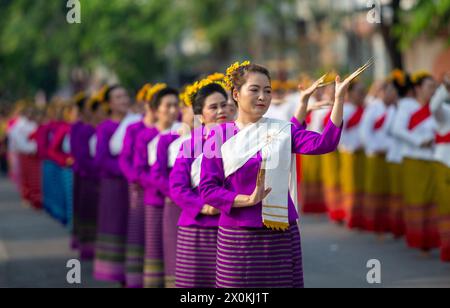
x: 87, y: 216
x: 396, y: 211
x: 46, y: 185
x: 170, y: 229
x: 331, y: 186
x: 352, y: 184
x: 259, y: 258
x: 135, y: 250
x: 420, y: 207
x: 311, y: 189
x: 67, y: 184
x: 53, y: 189
x: 196, y: 257
x: 376, y: 195
x: 153, y: 262
x: 109, y: 264
x: 75, y: 242
x: 31, y: 180
x: 443, y: 201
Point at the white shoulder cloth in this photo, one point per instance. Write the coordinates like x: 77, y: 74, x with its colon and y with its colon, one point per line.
x: 152, y: 146
x: 66, y: 144
x: 174, y: 149
x: 273, y: 138
x: 93, y: 145
x: 116, y: 141
x: 196, y: 168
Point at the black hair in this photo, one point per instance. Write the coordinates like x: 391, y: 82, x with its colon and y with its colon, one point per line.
x: 352, y: 85
x: 81, y: 103
x: 95, y: 105
x: 202, y: 95
x: 110, y: 90
x: 156, y: 100
x: 403, y: 90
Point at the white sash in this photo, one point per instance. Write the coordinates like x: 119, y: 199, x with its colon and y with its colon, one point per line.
x: 116, y: 141
x: 196, y: 169
x: 151, y: 150
x: 174, y: 150
x: 273, y: 138
x: 93, y: 145
x: 196, y: 165
x: 152, y: 146
x: 66, y: 144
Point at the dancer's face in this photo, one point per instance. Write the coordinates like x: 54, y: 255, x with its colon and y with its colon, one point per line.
x: 138, y: 107
x: 216, y: 110
x: 232, y: 105
x: 148, y: 112
x: 119, y: 100
x: 71, y: 114
x: 187, y: 116
x: 168, y: 110
x: 255, y: 96
x: 390, y: 95
x: 426, y: 91
x: 357, y: 94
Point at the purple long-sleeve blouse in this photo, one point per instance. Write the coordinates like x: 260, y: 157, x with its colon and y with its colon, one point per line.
x: 75, y: 133
x: 221, y: 192
x: 84, y: 164
x: 126, y: 157
x: 107, y: 163
x: 160, y: 171
x: 152, y: 196
x: 181, y: 190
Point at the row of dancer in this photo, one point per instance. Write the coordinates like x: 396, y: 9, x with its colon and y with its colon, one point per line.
x: 157, y: 202
x: 391, y: 171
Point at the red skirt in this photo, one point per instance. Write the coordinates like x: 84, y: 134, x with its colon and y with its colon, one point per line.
x: 30, y: 167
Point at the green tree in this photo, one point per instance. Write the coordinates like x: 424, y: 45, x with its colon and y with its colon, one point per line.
x: 430, y: 18
x: 38, y: 47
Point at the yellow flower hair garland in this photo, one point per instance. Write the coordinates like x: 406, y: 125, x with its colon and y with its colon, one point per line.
x: 417, y: 76
x: 398, y: 76
x: 153, y: 90
x: 141, y: 94
x: 188, y: 96
x: 230, y: 71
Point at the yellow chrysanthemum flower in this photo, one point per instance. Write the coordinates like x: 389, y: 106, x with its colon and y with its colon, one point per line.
x: 79, y: 97
x: 140, y: 96
x: 398, y: 76
x: 101, y: 94
x: 230, y: 70
x: 216, y: 77
x: 417, y: 76
x: 191, y: 91
x: 153, y: 90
